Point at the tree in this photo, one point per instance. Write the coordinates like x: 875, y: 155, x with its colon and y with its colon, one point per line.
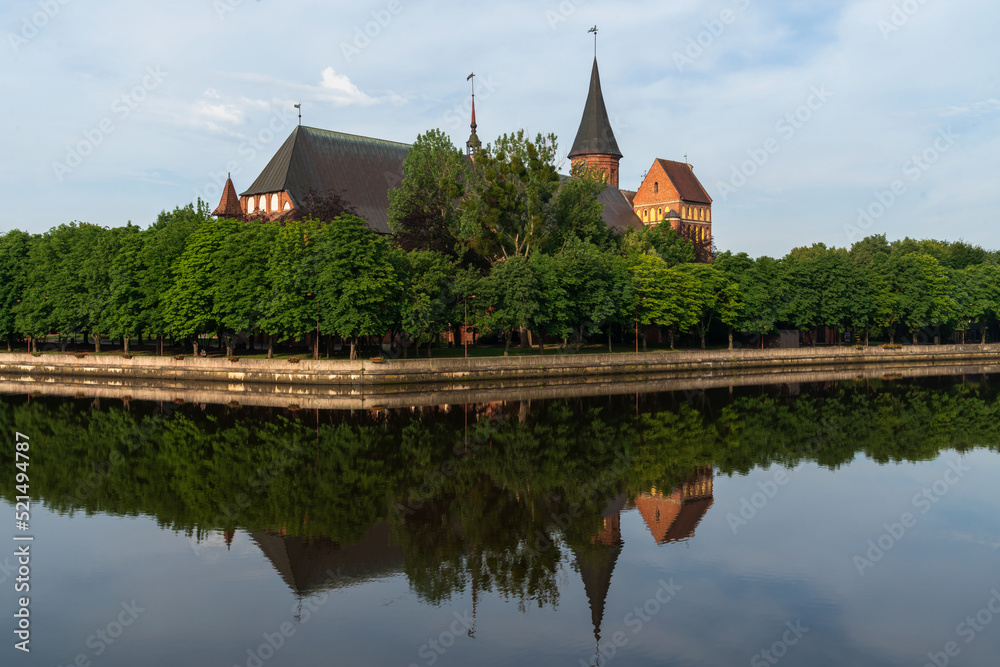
x: 240, y: 288
x: 358, y: 290
x: 710, y: 294
x: 422, y: 211
x: 576, y: 212
x: 165, y: 243
x: 427, y: 296
x: 189, y: 304
x: 659, y: 240
x: 596, y: 284
x: 288, y: 310
x: 660, y: 296
x: 125, y: 312
x: 506, y: 210
x: 922, y: 285
x: 510, y: 298
x: 737, y: 269
x: 15, y: 248
x: 975, y: 290
x: 763, y: 297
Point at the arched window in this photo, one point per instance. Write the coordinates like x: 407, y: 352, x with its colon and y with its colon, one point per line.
x: 274, y: 203
x: 288, y: 207
x: 656, y: 187
x: 251, y: 204
x: 645, y: 214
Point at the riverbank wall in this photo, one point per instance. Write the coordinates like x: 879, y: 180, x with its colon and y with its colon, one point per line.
x: 95, y: 368
x: 336, y: 384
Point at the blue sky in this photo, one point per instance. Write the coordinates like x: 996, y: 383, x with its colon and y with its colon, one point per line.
x: 797, y: 115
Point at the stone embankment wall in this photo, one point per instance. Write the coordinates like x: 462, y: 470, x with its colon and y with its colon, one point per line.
x: 365, y: 385
x: 553, y: 366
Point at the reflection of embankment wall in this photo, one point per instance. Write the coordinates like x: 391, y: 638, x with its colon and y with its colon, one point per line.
x: 400, y: 383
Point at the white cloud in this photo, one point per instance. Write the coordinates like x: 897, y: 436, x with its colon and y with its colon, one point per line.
x: 338, y: 89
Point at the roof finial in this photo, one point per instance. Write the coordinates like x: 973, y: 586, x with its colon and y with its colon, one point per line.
x: 594, y: 30
x: 299, y: 107
x: 473, y: 144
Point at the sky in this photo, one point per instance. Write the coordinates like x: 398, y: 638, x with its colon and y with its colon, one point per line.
x: 807, y: 121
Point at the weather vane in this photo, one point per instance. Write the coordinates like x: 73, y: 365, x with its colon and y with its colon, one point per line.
x: 299, y: 107
x: 594, y: 30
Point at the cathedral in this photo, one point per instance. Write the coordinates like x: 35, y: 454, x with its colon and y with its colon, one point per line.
x: 363, y: 171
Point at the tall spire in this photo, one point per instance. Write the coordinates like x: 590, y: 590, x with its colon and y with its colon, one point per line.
x: 473, y: 144
x: 595, y: 146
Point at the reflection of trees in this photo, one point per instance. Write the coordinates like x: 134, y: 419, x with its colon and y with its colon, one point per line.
x: 485, y: 515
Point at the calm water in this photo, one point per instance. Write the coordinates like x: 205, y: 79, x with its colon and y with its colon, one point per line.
x: 848, y: 524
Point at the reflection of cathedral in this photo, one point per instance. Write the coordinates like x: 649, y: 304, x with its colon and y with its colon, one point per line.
x: 674, y: 517
x: 669, y: 517
x: 309, y: 566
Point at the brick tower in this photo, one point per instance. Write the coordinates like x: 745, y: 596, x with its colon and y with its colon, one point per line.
x: 595, y: 146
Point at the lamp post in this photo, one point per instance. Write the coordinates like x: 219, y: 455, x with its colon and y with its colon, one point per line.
x: 465, y: 327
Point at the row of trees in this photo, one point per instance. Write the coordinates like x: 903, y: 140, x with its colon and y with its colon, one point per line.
x: 502, y: 238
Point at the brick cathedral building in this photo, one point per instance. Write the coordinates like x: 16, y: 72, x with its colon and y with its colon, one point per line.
x: 363, y: 171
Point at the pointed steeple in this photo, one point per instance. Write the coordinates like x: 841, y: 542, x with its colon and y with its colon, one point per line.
x: 229, y: 205
x: 473, y: 144
x: 595, y: 145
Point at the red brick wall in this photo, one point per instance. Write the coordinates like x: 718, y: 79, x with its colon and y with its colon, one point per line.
x: 606, y: 163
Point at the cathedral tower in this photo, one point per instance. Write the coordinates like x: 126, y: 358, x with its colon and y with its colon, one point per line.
x: 595, y: 146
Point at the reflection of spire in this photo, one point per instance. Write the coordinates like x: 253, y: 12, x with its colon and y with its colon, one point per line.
x: 228, y: 535
x: 597, y: 560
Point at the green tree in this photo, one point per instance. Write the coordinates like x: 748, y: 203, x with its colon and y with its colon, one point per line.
x: 710, y: 295
x: 166, y: 240
x: 124, y: 315
x: 15, y: 249
x: 358, y: 290
x: 428, y: 297
x: 422, y: 210
x: 922, y: 286
x: 510, y: 298
x: 289, y: 311
x: 240, y: 287
x: 507, y: 208
x: 189, y: 304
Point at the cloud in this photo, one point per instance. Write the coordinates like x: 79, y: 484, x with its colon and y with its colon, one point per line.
x: 337, y: 88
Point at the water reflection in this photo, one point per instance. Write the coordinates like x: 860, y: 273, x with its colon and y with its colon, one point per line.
x: 508, y: 501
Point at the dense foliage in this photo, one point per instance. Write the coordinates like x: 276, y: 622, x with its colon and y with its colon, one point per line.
x: 524, y: 251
